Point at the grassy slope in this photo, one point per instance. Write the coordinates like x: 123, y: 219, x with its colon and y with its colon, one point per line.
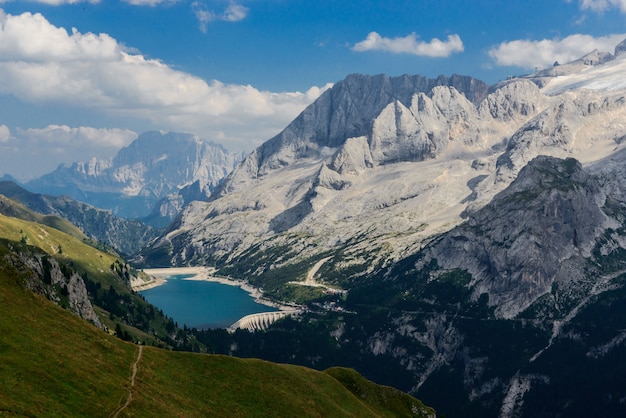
x: 82, y: 257
x: 85, y: 258
x: 54, y: 363
x: 17, y: 210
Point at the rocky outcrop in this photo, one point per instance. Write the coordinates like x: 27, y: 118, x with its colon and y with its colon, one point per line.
x: 580, y: 125
x: 425, y: 128
x: 45, y: 276
x: 515, y: 100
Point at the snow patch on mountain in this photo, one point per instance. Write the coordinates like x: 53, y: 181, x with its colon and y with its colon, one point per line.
x: 607, y: 77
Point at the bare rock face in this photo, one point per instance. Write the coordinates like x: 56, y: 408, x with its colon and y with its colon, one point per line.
x: 48, y: 279
x: 520, y: 98
x: 424, y: 129
x: 581, y: 125
x: 353, y: 157
x: 347, y: 110
x: 79, y: 300
x: 532, y: 235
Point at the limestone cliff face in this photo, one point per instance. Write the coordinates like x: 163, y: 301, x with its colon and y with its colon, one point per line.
x: 348, y: 110
x: 582, y: 125
x: 620, y: 48
x: 534, y: 235
x: 517, y: 99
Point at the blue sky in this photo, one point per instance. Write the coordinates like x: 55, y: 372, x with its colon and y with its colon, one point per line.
x: 81, y: 79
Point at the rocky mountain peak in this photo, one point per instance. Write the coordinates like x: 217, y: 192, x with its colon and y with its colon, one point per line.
x: 347, y: 110
x: 596, y: 57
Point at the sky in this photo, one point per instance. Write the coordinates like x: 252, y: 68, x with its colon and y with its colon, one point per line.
x: 83, y: 78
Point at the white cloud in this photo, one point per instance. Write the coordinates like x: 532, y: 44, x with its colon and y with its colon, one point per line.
x: 203, y: 15
x: 233, y: 13
x: 31, y: 38
x: 600, y: 6
x: 29, y: 153
x: 5, y: 133
x: 530, y: 54
x: 42, y: 63
x: 411, y: 44
x: 84, y: 136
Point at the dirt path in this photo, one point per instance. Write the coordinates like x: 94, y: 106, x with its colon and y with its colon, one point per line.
x: 310, y: 277
x: 123, y: 406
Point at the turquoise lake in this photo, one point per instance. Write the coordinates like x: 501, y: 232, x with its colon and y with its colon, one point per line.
x: 202, y: 304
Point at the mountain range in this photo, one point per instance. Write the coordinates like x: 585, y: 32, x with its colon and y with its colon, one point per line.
x: 477, y: 230
x: 152, y: 178
x: 461, y: 242
x: 379, y: 165
x: 124, y: 235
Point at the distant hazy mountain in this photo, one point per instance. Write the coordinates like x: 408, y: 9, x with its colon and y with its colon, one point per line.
x: 156, y: 166
x: 7, y: 177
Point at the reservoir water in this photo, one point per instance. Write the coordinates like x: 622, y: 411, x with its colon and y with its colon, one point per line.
x: 202, y: 304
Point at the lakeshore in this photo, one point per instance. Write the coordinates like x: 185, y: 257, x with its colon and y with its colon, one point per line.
x: 158, y: 277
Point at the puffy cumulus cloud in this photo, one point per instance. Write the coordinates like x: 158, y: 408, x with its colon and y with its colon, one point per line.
x: 530, y: 54
x: 42, y: 63
x: 600, y: 6
x: 30, y: 38
x: 28, y: 153
x: 233, y: 13
x: 411, y: 44
x: 84, y: 136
